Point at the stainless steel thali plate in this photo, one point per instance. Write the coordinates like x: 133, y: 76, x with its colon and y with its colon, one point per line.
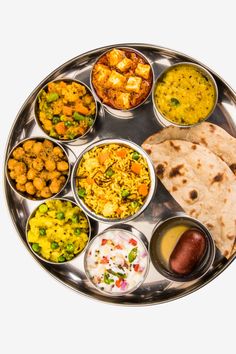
x: 136, y: 126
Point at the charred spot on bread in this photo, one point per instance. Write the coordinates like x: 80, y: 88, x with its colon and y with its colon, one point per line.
x: 175, y: 147
x: 194, y: 146
x: 233, y: 167
x: 160, y: 169
x: 175, y: 171
x: 174, y: 189
x: 212, y: 128
x: 210, y: 226
x: 193, y: 194
x: 184, y: 181
x: 218, y: 178
x: 203, y: 141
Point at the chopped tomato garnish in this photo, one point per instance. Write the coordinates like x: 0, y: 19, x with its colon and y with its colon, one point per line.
x: 104, y: 241
x: 119, y: 282
x: 136, y: 267
x: 119, y: 247
x: 133, y: 242
x: 104, y: 260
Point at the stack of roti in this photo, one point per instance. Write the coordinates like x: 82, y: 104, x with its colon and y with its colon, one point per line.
x: 197, y: 166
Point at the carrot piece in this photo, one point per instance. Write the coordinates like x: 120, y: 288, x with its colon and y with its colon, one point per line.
x: 102, y: 157
x: 90, y: 180
x: 67, y: 111
x: 136, y: 167
x: 62, y: 84
x: 121, y: 153
x: 60, y: 128
x: 104, y: 260
x: 118, y: 211
x: 143, y: 190
x: 79, y: 107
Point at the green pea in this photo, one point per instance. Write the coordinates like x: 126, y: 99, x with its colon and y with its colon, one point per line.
x: 42, y: 232
x: 43, y: 208
x: 109, y: 172
x: 135, y: 156
x: 55, y: 119
x: 81, y: 192
x: 54, y: 245
x: 52, y: 96
x: 69, y: 257
x: 134, y: 204
x: 125, y: 193
x: 70, y: 248
x: 77, y: 231
x: 61, y: 259
x: 174, y: 102
x: 78, y: 116
x: 90, y: 121
x: 36, y: 247
x: 68, y: 123
x: 75, y: 218
x: 60, y: 215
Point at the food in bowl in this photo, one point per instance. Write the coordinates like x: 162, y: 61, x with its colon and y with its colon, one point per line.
x: 185, y: 94
x: 122, y: 78
x: 113, y: 180
x: 38, y: 168
x: 65, y: 110
x: 116, y: 262
x: 58, y: 231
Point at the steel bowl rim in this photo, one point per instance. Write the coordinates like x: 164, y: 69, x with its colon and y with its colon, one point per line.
x: 152, y: 175
x: 39, y: 138
x: 106, y: 106
x: 209, y: 258
x: 119, y: 228
x: 40, y: 257
x: 35, y: 104
x: 160, y: 117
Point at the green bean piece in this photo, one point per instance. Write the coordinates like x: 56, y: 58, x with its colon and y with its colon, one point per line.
x: 52, y: 96
x: 78, y: 116
x: 81, y: 192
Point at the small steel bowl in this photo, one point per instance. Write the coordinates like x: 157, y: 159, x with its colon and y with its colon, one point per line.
x: 36, y: 111
x: 204, y: 264
x: 12, y: 183
x: 122, y: 113
x: 131, y: 232
x: 152, y: 174
x: 40, y: 257
x: 158, y: 114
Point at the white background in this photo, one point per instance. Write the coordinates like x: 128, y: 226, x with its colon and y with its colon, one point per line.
x: 38, y: 314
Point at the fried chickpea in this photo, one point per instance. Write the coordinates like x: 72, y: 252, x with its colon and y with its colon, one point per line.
x: 39, y: 183
x: 28, y: 145
x: 46, y: 193
x: 29, y: 188
x: 47, y: 144
x: 62, y: 166
x: 44, y: 175
x: 55, y: 186
x: 18, y: 153
x: 13, y: 174
x: 38, y: 164
x: 50, y: 165
x: 37, y: 148
x: 53, y: 174
x: 20, y: 168
x: 20, y: 187
x: 47, y: 124
x: 58, y: 151
x: 11, y: 164
x: 62, y: 179
x: 31, y: 174
x: 21, y: 179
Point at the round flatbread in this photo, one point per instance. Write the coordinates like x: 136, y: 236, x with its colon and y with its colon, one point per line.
x: 202, y: 184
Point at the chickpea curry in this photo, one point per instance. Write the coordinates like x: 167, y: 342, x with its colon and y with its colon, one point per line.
x: 38, y: 168
x: 66, y: 110
x: 122, y: 79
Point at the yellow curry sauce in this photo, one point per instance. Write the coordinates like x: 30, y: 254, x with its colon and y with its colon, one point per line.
x: 184, y: 95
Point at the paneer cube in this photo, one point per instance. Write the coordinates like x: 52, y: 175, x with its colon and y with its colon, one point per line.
x: 133, y: 84
x: 123, y: 100
x: 115, y: 56
x: 116, y: 80
x: 143, y: 70
x: 124, y: 64
x: 102, y: 73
